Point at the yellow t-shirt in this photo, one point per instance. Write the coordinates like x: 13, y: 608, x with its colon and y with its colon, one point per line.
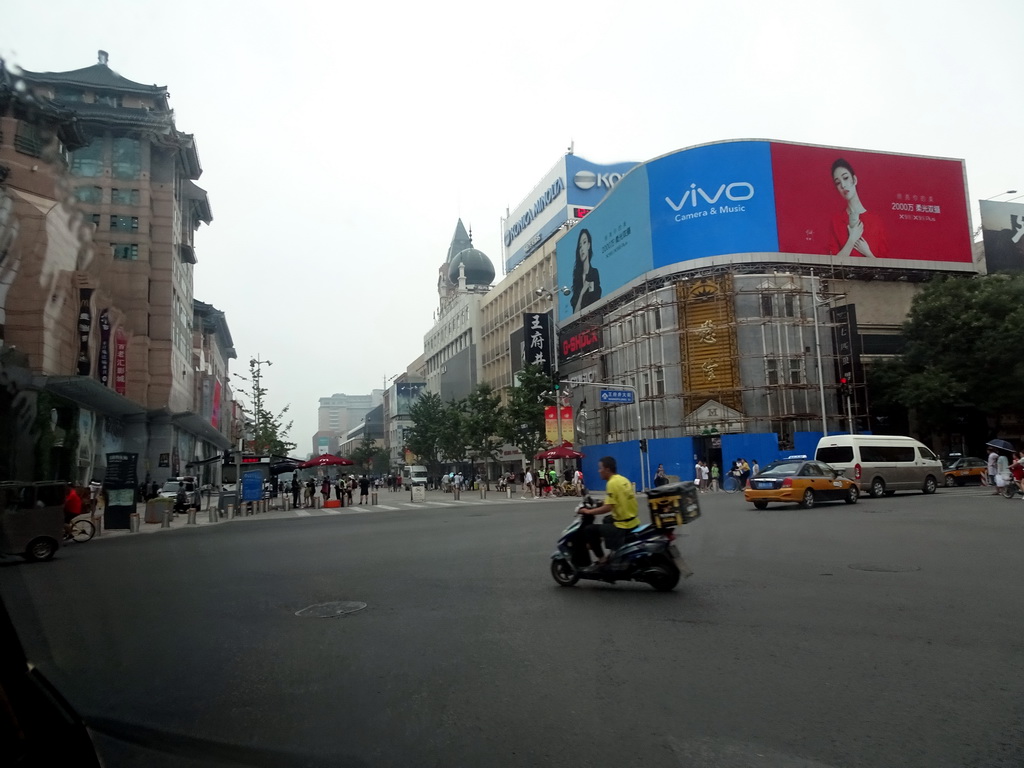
x: 620, y: 494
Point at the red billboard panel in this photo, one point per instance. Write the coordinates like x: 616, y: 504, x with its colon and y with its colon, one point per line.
x: 870, y: 205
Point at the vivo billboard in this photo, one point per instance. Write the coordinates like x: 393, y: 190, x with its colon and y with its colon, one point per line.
x: 766, y: 197
x: 569, y: 191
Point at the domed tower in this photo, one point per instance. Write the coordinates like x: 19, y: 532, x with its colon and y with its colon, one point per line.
x: 465, y: 268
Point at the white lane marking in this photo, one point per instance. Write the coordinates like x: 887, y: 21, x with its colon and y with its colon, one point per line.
x: 383, y: 506
x: 302, y: 512
x: 333, y: 511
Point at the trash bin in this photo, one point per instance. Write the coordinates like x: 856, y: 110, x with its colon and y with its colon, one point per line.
x: 673, y: 504
x: 155, y: 509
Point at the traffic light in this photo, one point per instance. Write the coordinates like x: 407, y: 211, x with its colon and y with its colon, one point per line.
x: 643, y: 445
x: 554, y: 381
x: 844, y: 387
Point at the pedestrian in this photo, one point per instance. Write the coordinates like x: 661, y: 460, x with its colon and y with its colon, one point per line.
x: 339, y: 487
x: 325, y: 489
x: 698, y: 475
x: 716, y: 477
x: 528, y: 483
x: 993, y: 459
x: 364, y: 490
x: 754, y: 468
x: 660, y: 478
x: 295, y: 490
x: 1017, y: 471
x: 705, y: 477
x: 308, y: 494
x: 1002, y: 471
x: 744, y: 472
x: 577, y: 481
x: 349, y: 488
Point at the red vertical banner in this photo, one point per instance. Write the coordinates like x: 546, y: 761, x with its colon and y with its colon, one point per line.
x: 567, y: 424
x: 120, y: 362
x: 215, y: 415
x: 551, y: 423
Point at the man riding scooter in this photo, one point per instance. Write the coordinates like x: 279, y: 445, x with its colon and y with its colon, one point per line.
x: 621, y: 502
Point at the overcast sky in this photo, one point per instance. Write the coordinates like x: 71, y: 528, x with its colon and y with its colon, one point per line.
x: 341, y: 142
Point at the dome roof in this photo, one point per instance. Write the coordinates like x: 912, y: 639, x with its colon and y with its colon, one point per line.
x: 479, y: 269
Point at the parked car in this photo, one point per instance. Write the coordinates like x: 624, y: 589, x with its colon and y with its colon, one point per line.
x: 170, y: 490
x: 964, y: 469
x: 799, y: 480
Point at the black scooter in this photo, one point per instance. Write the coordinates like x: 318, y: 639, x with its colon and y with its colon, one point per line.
x: 648, y: 555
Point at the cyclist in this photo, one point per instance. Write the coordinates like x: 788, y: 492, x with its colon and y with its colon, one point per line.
x: 72, y: 508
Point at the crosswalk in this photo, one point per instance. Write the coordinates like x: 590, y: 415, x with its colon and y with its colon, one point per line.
x: 404, y: 506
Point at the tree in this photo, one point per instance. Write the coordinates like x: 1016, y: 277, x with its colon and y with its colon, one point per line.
x: 270, y: 433
x: 961, y: 351
x: 424, y: 437
x: 452, y: 432
x: 366, y: 455
x: 523, y: 425
x: 483, y: 421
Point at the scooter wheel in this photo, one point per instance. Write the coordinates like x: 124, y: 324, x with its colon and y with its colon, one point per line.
x: 563, y: 573
x: 663, y: 577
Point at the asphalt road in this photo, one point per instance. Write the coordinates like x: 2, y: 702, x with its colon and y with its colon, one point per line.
x: 887, y: 633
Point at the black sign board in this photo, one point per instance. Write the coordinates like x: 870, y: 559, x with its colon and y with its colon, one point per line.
x: 105, y: 347
x: 84, y: 329
x: 537, y: 341
x: 847, y: 344
x: 120, y: 484
x: 578, y: 340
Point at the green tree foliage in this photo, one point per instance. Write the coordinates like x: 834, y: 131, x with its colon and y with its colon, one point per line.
x: 270, y: 432
x: 962, y: 350
x: 452, y: 432
x: 483, y: 424
x: 424, y: 437
x: 523, y: 424
x: 367, y: 455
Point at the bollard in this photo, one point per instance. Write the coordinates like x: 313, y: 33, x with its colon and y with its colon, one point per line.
x: 231, y: 511
x: 133, y: 522
x: 97, y: 523
x: 191, y: 516
x: 483, y: 492
x: 342, y: 499
x: 373, y: 498
x: 213, y: 514
x: 166, y: 522
x: 508, y: 491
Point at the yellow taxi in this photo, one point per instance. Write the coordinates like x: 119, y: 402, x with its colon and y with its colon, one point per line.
x: 799, y: 480
x: 961, y: 469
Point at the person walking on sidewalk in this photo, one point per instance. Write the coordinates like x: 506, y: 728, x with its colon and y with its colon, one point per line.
x: 295, y: 491
x: 364, y: 490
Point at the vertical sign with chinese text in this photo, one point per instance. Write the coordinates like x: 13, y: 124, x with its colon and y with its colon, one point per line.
x: 537, y: 340
x: 120, y: 361
x: 104, y: 367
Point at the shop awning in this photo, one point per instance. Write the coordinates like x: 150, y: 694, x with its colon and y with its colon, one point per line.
x: 90, y: 393
x: 200, y: 427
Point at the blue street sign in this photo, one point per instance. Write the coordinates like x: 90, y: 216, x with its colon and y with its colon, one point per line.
x: 623, y: 396
x: 252, y: 485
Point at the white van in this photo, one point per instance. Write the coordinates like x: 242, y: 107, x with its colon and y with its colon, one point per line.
x: 413, y: 474
x: 882, y: 464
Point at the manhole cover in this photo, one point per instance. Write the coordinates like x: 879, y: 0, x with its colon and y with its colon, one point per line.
x: 884, y: 568
x: 330, y: 610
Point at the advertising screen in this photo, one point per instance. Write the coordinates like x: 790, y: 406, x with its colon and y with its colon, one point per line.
x: 853, y: 204
x: 712, y: 200
x: 767, y: 197
x: 1002, y: 226
x: 608, y: 248
x: 588, y: 182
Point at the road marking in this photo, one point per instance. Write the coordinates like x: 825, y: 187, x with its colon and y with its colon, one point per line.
x: 333, y: 511
x: 436, y: 503
x: 302, y: 512
x: 384, y: 506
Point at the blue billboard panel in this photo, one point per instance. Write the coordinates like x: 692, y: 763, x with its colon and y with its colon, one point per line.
x: 712, y: 200
x: 607, y: 249
x: 587, y: 183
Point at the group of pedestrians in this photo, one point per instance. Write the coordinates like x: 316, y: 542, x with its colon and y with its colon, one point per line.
x: 344, y: 489
x: 708, y: 477
x: 1003, y: 470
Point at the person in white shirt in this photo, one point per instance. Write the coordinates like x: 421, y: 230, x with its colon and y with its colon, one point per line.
x: 705, y: 476
x: 528, y: 483
x: 698, y: 476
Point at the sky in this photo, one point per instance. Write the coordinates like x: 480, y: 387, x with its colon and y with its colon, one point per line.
x: 341, y: 143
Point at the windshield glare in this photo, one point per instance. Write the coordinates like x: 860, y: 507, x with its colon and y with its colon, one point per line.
x: 781, y: 469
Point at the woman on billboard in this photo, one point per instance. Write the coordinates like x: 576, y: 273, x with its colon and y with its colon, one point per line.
x: 857, y: 231
x: 586, y: 282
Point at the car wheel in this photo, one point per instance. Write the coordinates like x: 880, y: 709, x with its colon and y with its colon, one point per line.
x: 877, y: 488
x: 808, y: 500
x: 852, y: 495
x: 929, y: 485
x: 40, y: 549
x: 951, y: 481
x: 760, y: 505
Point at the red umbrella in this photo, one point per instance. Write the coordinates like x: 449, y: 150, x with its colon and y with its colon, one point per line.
x: 327, y: 460
x: 561, y: 452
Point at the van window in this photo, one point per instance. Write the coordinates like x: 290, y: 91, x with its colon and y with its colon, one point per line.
x: 926, y: 453
x: 835, y: 454
x: 885, y: 454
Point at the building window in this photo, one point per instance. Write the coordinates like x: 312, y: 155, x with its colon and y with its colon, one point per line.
x: 659, y: 381
x: 767, y: 306
x: 28, y: 139
x: 790, y: 304
x: 88, y: 161
x: 796, y: 370
x: 771, y: 366
x: 126, y: 251
x: 96, y: 220
x: 89, y: 195
x: 657, y: 317
x: 124, y: 223
x: 124, y: 196
x: 109, y: 99
x: 126, y: 158
x: 68, y: 95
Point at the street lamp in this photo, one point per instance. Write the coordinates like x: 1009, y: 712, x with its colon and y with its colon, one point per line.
x: 256, y: 371
x: 1007, y: 192
x: 816, y: 301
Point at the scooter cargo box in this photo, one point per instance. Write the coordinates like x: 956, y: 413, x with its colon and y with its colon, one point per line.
x: 673, y: 504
